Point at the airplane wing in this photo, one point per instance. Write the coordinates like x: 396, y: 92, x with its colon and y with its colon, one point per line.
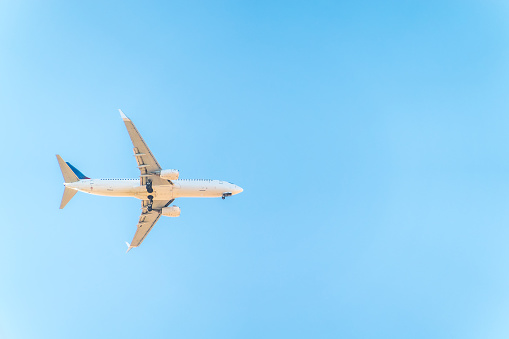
x: 147, y: 163
x: 147, y: 221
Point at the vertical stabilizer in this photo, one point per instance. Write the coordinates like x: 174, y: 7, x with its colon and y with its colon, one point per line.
x: 68, y: 194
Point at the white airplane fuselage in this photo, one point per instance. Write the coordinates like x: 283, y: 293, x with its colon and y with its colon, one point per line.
x: 156, y: 187
x: 182, y: 188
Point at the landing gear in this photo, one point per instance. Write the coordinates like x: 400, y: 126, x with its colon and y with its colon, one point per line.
x: 226, y: 195
x: 149, y: 186
x: 150, y: 201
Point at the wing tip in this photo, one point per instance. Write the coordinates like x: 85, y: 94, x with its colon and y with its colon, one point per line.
x: 129, y: 247
x: 123, y: 116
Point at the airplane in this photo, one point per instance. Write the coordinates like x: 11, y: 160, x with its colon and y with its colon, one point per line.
x: 157, y: 188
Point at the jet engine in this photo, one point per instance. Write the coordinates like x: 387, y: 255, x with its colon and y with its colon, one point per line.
x: 171, y: 211
x: 169, y: 174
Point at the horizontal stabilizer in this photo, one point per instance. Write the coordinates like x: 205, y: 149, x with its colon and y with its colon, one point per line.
x: 68, y: 194
x: 67, y: 172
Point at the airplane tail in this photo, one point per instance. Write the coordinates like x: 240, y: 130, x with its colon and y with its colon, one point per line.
x: 68, y: 194
x: 70, y: 174
x: 67, y: 172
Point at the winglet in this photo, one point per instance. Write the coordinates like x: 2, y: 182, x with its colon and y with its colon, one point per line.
x: 123, y: 115
x: 129, y: 246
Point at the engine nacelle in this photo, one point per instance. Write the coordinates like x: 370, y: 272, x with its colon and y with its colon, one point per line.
x: 171, y: 211
x: 169, y: 174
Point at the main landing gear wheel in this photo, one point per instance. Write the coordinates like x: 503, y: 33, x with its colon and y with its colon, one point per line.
x: 150, y: 201
x: 149, y: 186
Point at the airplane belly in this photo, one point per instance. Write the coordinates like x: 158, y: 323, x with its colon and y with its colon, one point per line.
x: 111, y: 190
x: 195, y: 190
x: 160, y: 193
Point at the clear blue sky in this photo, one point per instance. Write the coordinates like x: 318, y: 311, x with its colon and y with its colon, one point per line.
x: 370, y: 137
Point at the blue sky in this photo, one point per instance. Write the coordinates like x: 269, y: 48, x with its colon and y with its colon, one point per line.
x: 371, y: 140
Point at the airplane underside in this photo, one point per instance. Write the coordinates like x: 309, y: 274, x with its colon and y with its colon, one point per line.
x: 213, y: 189
x: 156, y: 187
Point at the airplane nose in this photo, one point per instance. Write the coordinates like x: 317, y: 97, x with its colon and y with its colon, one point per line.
x: 238, y: 189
